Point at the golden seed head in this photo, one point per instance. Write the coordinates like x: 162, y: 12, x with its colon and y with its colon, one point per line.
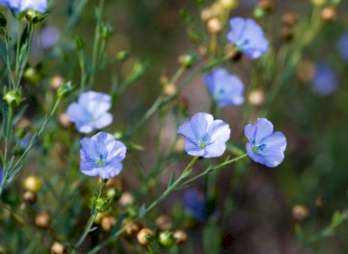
x: 32, y: 183
x: 300, y: 212
x: 42, y: 219
x: 214, y: 25
x: 64, y: 120
x: 107, y: 222
x: 144, y: 236
x: 57, y: 248
x: 256, y: 97
x: 164, y: 222
x: 126, y: 199
x: 180, y: 236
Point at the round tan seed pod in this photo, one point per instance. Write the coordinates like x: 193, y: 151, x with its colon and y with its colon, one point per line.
x: 32, y: 183
x: 107, y: 222
x: 29, y: 197
x: 256, y: 97
x: 131, y: 228
x: 328, y: 14
x: 180, y: 236
x: 126, y: 199
x: 214, y: 25
x: 42, y: 220
x: 300, y: 212
x: 144, y: 236
x: 55, y: 82
x: 57, y: 248
x: 169, y: 89
x: 164, y: 222
x: 64, y: 120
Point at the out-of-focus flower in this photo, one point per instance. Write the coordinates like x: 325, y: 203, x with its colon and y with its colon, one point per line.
x: 265, y: 146
x: 47, y: 38
x: 18, y: 6
x: 29, y: 197
x: 102, y: 155
x: 205, y: 136
x: 324, y: 81
x: 90, y: 111
x: 195, y: 205
x: 126, y: 199
x: 164, y: 222
x: 256, y: 97
x: 24, y: 142
x: 343, y: 46
x: 226, y: 89
x: 329, y: 14
x: 248, y: 37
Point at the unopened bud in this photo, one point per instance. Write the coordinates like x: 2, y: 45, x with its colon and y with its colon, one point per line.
x: 64, y: 120
x: 289, y: 19
x: 31, y: 75
x: 145, y: 236
x: 13, y: 97
x: 131, y: 228
x: 186, y: 60
x: 179, y: 145
x: 34, y: 16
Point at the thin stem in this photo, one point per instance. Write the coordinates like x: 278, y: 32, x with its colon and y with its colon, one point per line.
x: 91, y: 220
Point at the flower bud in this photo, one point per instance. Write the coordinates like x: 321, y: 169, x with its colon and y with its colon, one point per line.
x: 105, y: 31
x: 214, y: 25
x: 256, y: 97
x: 13, y: 97
x: 57, y: 248
x: 145, y: 236
x: 31, y: 75
x: 166, y: 239
x: 107, y: 222
x: 29, y: 197
x: 328, y: 14
x: 101, y: 204
x: 179, y: 145
x: 122, y: 55
x: 42, y: 220
x: 164, y: 222
x: 56, y: 81
x: 64, y: 89
x: 300, y: 212
x: 126, y: 199
x: 34, y: 16
x: 64, y: 120
x: 32, y: 183
x: 266, y: 5
x: 180, y: 236
x: 169, y: 89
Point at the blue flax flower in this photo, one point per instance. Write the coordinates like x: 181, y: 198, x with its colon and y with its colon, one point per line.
x: 90, y: 111
x: 102, y: 155
x: 248, y: 37
x: 343, y: 46
x: 195, y: 205
x: 1, y: 175
x: 18, y: 6
x: 226, y: 88
x: 265, y: 146
x: 324, y: 81
x: 205, y: 136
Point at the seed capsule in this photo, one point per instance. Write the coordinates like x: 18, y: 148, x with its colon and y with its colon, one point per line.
x: 126, y: 199
x: 29, y: 197
x: 166, y: 239
x: 32, y: 183
x: 144, y: 236
x: 42, y: 220
x: 164, y: 222
x: 57, y: 248
x: 107, y: 223
x: 180, y: 236
x: 300, y: 212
